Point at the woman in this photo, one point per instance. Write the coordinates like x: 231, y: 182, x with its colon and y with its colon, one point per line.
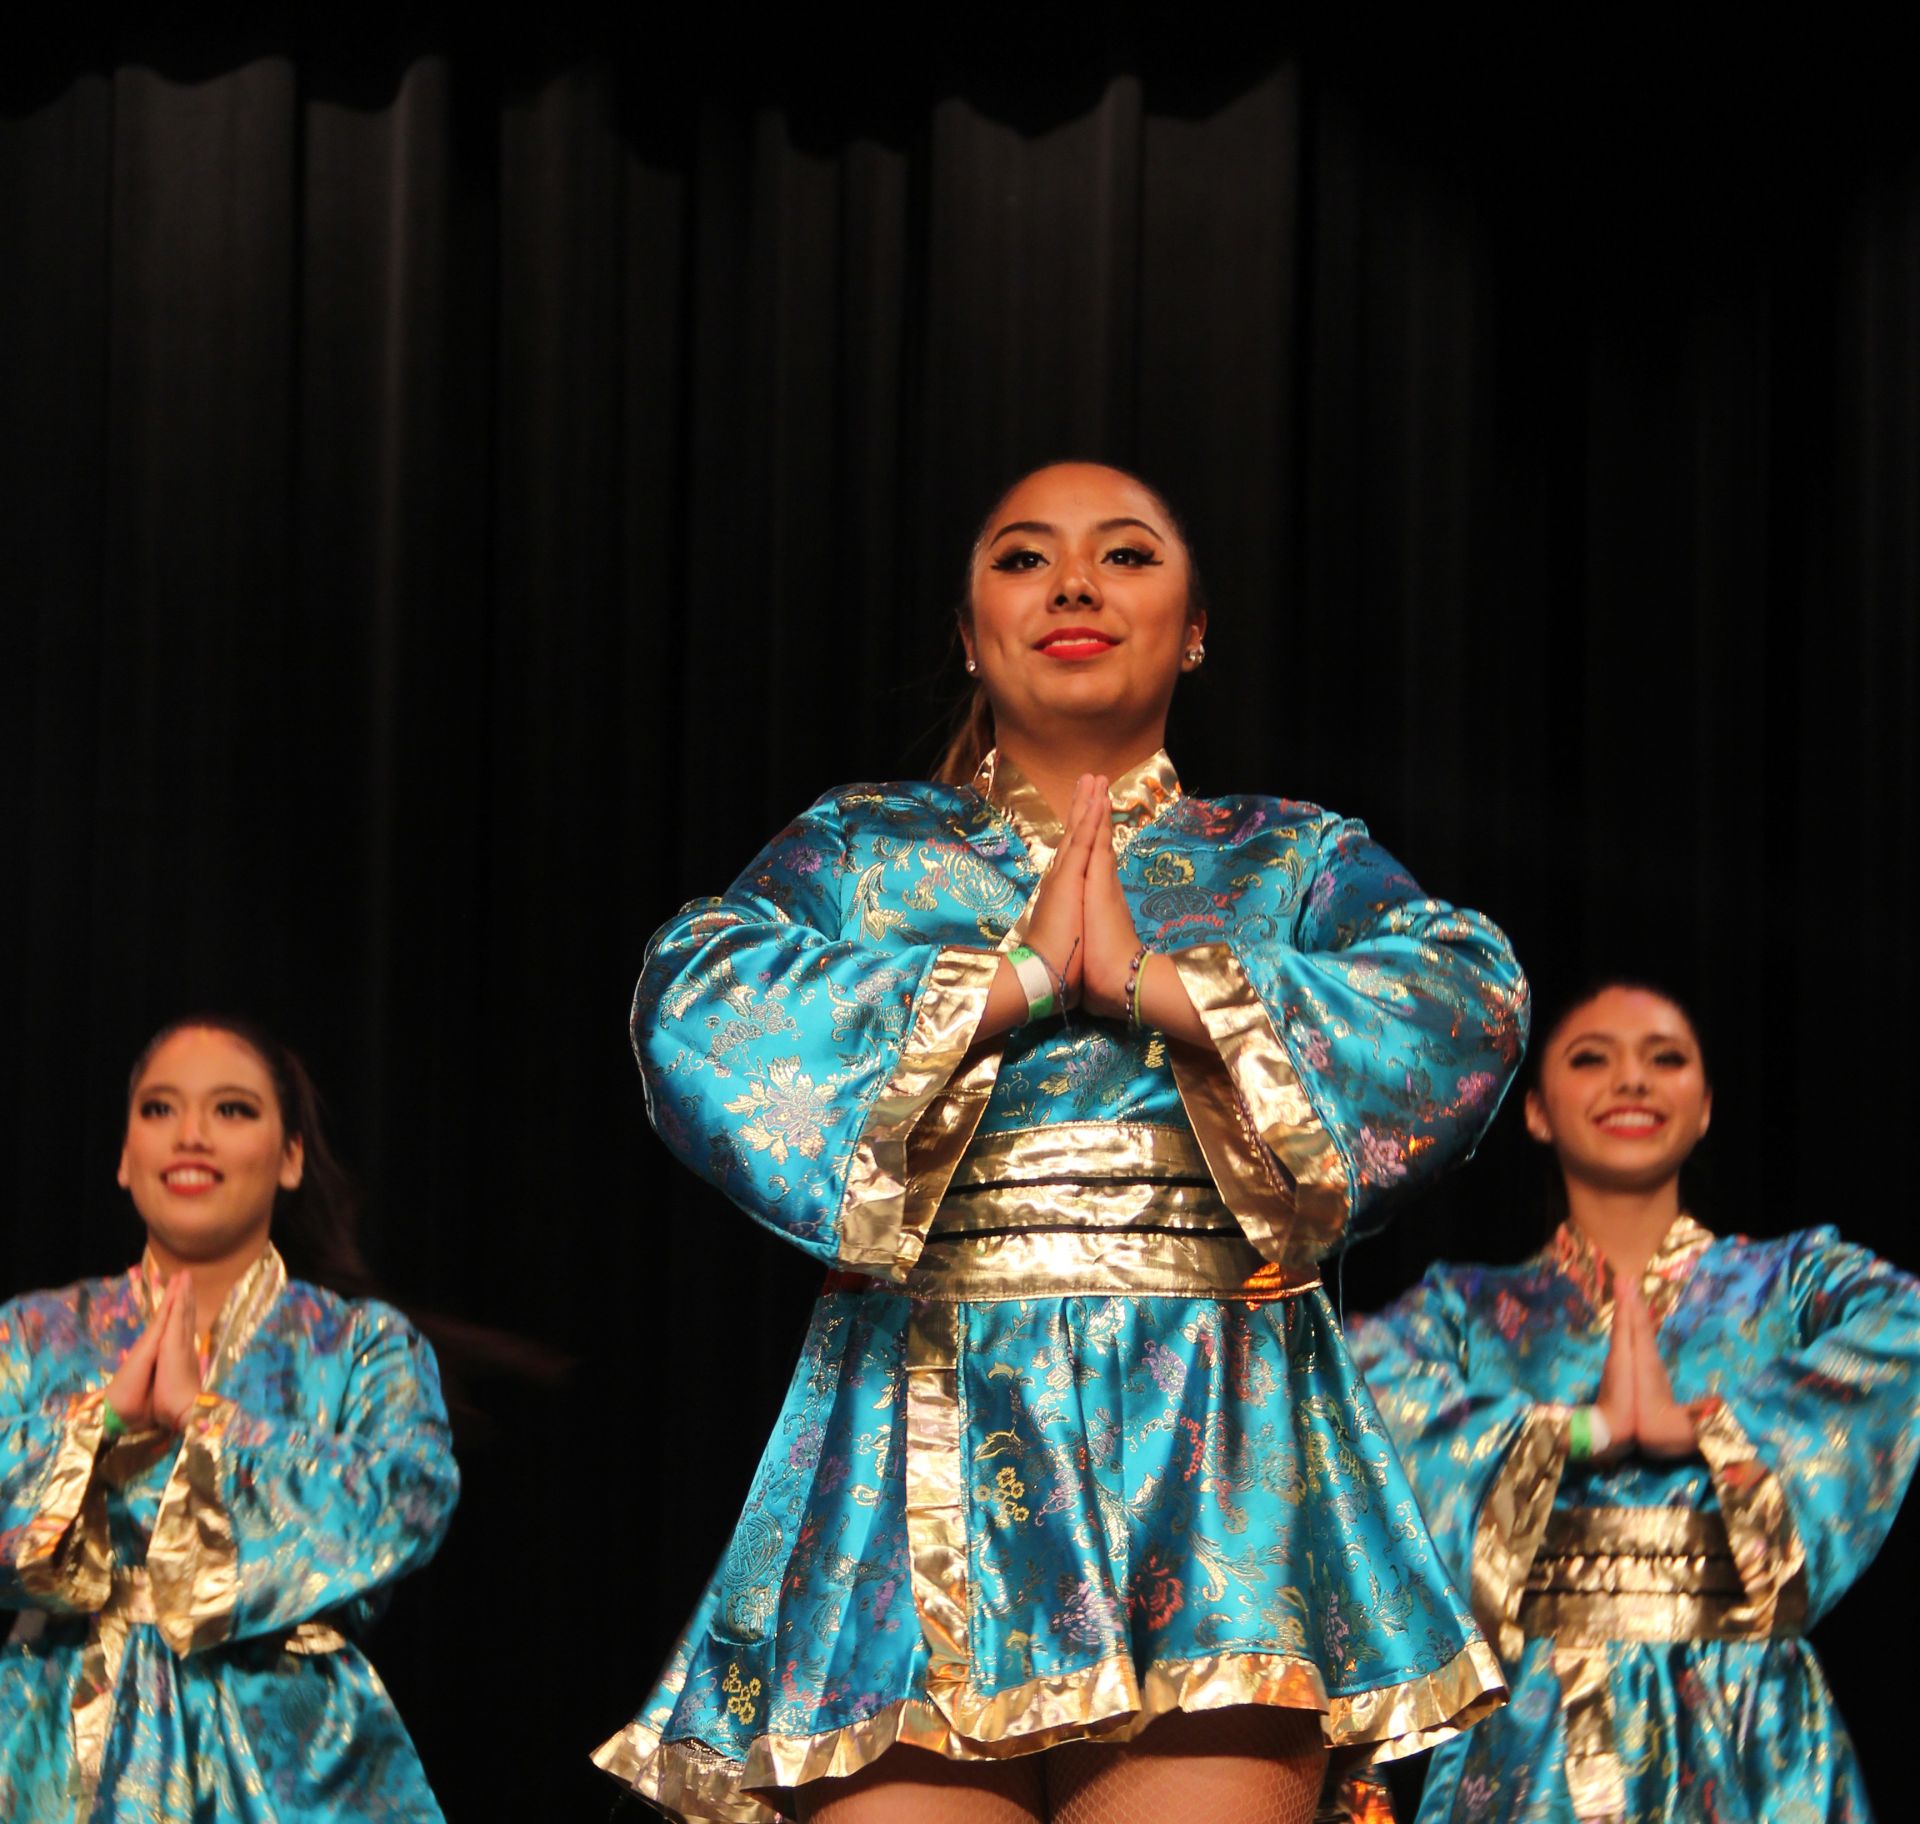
x: 1660, y: 1455
x: 210, y: 1473
x: 1070, y: 1079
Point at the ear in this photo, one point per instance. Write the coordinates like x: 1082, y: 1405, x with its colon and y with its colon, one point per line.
x: 1706, y: 1114
x: 124, y: 1176
x: 1196, y: 626
x: 293, y: 1164
x: 1537, y: 1123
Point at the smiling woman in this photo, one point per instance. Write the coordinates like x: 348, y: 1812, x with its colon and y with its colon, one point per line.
x: 210, y: 1475
x: 1657, y: 1454
x: 1076, y: 1509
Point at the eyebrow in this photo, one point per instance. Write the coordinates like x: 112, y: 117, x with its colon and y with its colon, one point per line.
x: 219, y: 1089
x: 1041, y: 526
x: 1609, y: 1038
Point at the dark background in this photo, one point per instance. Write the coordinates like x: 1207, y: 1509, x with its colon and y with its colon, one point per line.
x: 461, y: 488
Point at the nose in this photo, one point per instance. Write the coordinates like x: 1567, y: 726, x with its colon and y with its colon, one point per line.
x: 1079, y: 585
x: 190, y: 1135
x: 1629, y: 1077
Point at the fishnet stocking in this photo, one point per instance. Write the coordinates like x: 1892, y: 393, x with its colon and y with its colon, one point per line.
x: 1248, y: 1765
x: 911, y: 1786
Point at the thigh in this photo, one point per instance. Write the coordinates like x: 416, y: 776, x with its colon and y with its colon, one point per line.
x: 1252, y: 1764
x: 911, y: 1786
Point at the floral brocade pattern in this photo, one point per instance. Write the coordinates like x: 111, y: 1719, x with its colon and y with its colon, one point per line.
x: 991, y: 1519
x: 315, y: 1472
x: 1800, y: 1358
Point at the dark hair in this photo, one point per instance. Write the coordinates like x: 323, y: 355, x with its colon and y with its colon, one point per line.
x: 972, y: 722
x: 316, y: 1225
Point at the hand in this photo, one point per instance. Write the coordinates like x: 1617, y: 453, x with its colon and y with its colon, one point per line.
x: 1619, y: 1378
x: 130, y: 1392
x: 1661, y: 1425
x: 176, y: 1368
x: 1057, y: 929
x: 1108, y: 935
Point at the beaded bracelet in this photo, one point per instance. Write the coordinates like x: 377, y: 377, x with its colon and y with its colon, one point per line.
x: 1135, y: 971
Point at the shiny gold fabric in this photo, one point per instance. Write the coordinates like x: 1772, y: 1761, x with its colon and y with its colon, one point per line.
x: 889, y: 1201
x: 1272, y: 1156
x: 1513, y: 1521
x: 1596, y: 1782
x: 1138, y: 796
x: 1641, y: 1573
x: 1767, y: 1547
x: 1078, y: 1150
x: 63, y: 1555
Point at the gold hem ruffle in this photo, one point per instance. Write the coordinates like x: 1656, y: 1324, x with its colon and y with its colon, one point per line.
x: 690, y: 1781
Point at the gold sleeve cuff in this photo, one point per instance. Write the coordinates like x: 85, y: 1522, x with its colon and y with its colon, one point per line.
x: 1513, y: 1521
x: 64, y: 1555
x: 921, y: 1121
x: 193, y: 1562
x: 1273, y: 1159
x: 1766, y: 1546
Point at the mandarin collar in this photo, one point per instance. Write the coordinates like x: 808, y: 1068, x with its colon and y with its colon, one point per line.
x: 247, y: 1302
x: 1576, y: 1255
x: 1138, y: 796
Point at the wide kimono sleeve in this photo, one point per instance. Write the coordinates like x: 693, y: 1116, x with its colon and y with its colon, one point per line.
x: 796, y: 1033
x: 1811, y: 1452
x: 1368, y: 1033
x: 53, y: 1538
x: 1484, y: 1458
x: 266, y: 1523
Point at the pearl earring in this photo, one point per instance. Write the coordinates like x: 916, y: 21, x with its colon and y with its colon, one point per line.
x: 1196, y: 654
x: 973, y: 665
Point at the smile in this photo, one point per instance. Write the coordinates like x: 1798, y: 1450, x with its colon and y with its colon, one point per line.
x: 1631, y: 1120
x: 1069, y: 643
x: 190, y: 1180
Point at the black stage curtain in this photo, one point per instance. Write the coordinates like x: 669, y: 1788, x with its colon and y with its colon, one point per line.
x: 456, y: 499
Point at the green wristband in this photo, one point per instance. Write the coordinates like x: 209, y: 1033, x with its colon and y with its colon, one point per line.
x: 1579, y: 1435
x: 112, y: 1426
x: 1036, y: 980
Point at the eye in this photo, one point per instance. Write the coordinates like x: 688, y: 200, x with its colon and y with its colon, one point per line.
x: 1018, y: 560
x: 1585, y: 1058
x: 1672, y: 1060
x: 154, y: 1108
x: 1133, y: 557
x: 237, y: 1111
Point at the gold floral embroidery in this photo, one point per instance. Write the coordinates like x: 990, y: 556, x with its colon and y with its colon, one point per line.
x: 740, y: 1694
x: 1004, y: 1496
x: 788, y: 1109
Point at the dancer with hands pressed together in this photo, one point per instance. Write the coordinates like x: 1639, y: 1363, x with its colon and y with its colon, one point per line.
x: 211, y: 1472
x: 1658, y: 1454
x: 1075, y: 1509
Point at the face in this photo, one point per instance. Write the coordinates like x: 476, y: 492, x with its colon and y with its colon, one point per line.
x: 1079, y: 606
x: 1623, y: 1096
x: 206, y: 1148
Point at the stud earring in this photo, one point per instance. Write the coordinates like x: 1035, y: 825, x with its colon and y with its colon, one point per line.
x: 973, y: 666
x: 1196, y: 654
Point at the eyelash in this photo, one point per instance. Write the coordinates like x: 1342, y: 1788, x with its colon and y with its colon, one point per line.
x: 1136, y: 557
x: 157, y: 1108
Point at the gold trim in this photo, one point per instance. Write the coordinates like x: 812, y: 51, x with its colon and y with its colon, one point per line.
x: 192, y: 1556
x: 1137, y: 797
x: 1596, y: 1782
x: 690, y: 1780
x: 64, y: 1552
x: 1097, y: 1203
x: 890, y: 1196
x: 1634, y: 1573
x: 1766, y: 1545
x: 1274, y: 1160
x: 1513, y: 1521
x: 1082, y: 1150
x: 1113, y: 1263
x: 1578, y: 1256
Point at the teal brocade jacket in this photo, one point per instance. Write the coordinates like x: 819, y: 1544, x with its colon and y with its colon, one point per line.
x: 1073, y: 1440
x: 186, y: 1603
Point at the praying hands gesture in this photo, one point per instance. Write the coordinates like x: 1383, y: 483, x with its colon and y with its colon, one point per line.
x: 1636, y: 1397
x: 159, y: 1379
x: 1082, y: 929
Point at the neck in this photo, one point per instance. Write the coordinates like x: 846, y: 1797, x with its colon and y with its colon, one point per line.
x: 1055, y: 764
x: 1627, y: 1226
x: 212, y: 1279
